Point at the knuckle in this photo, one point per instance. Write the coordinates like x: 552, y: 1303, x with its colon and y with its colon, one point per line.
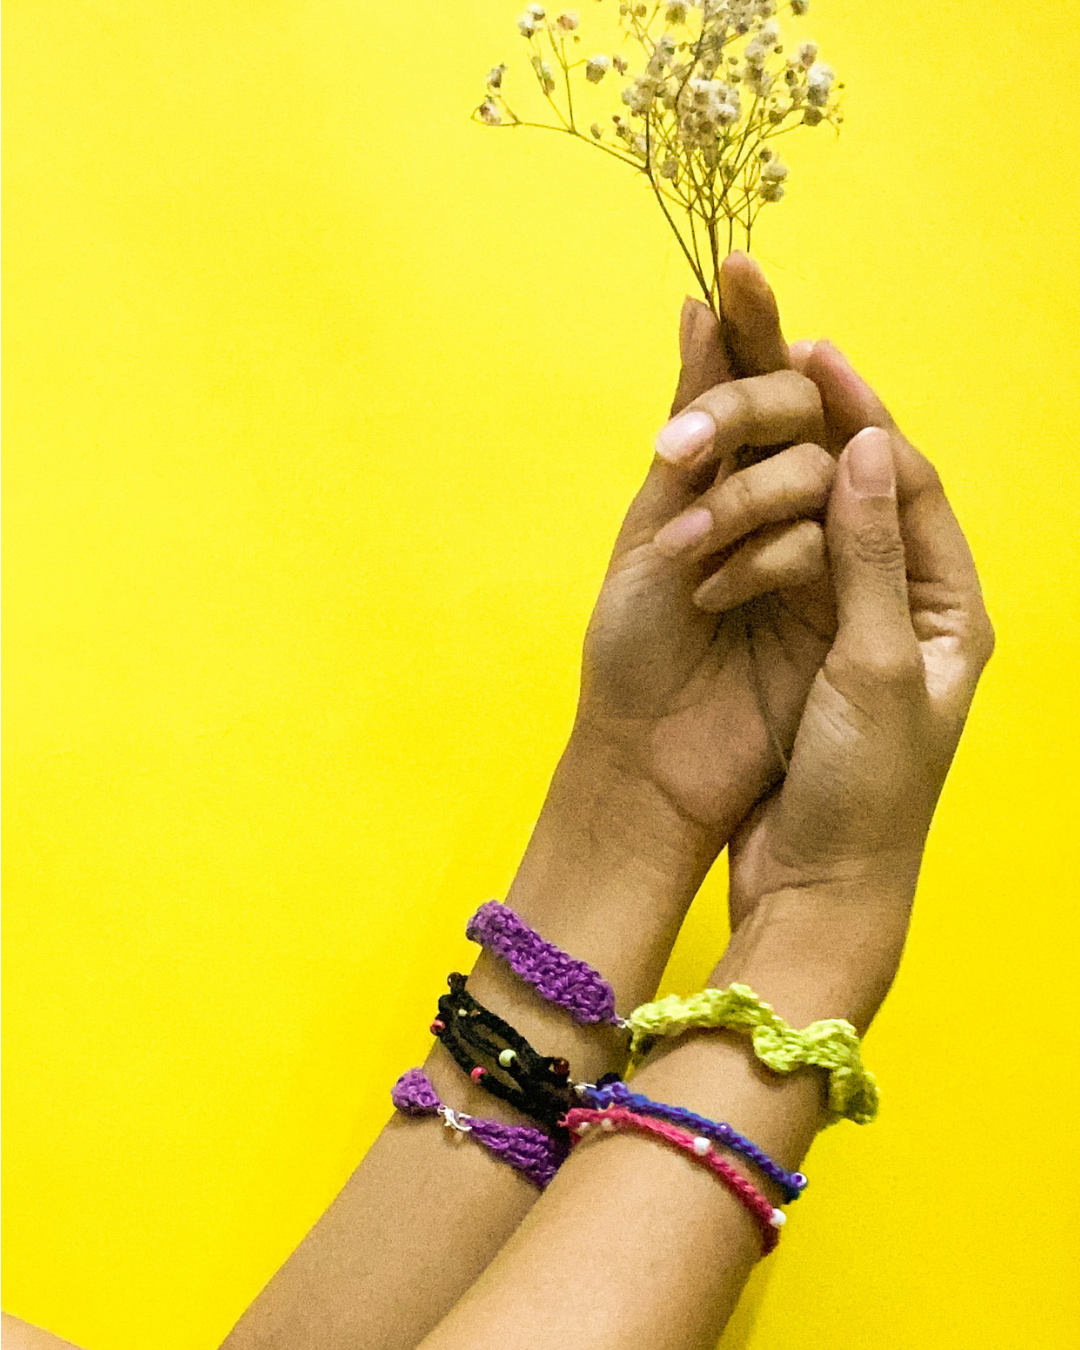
x: 809, y: 558
x: 982, y: 638
x: 881, y: 667
x: 817, y: 468
x: 802, y: 391
x: 878, y: 543
x: 736, y: 496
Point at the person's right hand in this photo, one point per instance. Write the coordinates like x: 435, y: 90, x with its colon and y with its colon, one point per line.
x: 885, y: 713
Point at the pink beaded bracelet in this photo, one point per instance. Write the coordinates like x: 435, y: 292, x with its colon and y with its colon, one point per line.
x: 579, y: 1119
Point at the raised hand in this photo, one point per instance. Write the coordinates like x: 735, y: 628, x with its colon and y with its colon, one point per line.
x: 885, y: 712
x: 702, y: 648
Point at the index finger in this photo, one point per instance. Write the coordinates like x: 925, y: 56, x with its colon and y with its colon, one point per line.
x: 783, y: 408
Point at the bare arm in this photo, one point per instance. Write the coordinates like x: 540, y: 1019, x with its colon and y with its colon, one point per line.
x: 621, y: 847
x: 634, y: 1245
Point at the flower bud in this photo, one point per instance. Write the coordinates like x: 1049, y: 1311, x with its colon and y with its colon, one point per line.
x: 596, y: 68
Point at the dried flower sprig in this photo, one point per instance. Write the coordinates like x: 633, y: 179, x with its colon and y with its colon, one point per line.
x: 715, y: 88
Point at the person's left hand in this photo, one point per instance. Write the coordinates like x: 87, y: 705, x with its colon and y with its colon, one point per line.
x: 697, y: 664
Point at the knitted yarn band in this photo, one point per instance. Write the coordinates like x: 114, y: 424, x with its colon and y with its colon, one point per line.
x: 531, y: 1152
x: 579, y: 1120
x: 500, y: 1059
x: 605, y: 1094
x: 573, y: 985
x: 831, y: 1044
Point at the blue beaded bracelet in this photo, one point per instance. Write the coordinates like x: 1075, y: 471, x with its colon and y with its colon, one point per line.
x: 610, y: 1091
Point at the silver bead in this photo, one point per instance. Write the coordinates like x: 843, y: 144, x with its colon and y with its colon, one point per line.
x: 701, y: 1145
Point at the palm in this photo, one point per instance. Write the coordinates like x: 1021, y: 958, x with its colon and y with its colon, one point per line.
x: 704, y: 703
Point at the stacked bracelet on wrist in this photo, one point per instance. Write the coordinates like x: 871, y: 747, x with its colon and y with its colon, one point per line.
x: 531, y: 1152
x: 560, y: 979
x: 831, y: 1044
x: 537, y: 1085
x: 616, y: 1093
x: 498, y: 1058
x: 580, y: 1119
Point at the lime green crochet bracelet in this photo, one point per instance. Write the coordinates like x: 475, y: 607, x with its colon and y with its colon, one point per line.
x: 831, y: 1044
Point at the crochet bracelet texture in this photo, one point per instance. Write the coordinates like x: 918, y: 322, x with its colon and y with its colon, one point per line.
x: 531, y: 1152
x: 832, y: 1043
x: 559, y: 978
x: 537, y: 1085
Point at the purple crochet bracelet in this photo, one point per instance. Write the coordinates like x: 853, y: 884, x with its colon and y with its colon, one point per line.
x: 531, y: 1152
x: 573, y: 985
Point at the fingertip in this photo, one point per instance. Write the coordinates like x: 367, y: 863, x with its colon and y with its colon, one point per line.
x: 800, y: 353
x: 868, y: 463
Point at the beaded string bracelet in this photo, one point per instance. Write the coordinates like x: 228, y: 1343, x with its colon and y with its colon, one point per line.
x: 831, y: 1043
x: 609, y: 1092
x: 531, y: 1152
x: 559, y: 978
x: 580, y: 1119
x: 537, y: 1085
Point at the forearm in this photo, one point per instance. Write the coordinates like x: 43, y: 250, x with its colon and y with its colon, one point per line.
x: 608, y: 876
x: 643, y: 1244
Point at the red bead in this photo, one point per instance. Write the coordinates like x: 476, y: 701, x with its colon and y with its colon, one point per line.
x: 437, y: 1027
x: 477, y: 1074
x: 560, y: 1068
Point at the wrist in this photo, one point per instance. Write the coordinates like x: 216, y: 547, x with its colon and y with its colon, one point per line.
x: 816, y: 953
x: 610, y: 869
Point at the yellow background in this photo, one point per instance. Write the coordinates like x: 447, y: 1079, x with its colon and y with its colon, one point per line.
x: 323, y: 404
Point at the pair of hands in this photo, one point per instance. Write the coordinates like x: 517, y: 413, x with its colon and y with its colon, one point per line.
x: 787, y: 641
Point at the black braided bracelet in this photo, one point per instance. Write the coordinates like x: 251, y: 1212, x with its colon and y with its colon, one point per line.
x: 537, y: 1085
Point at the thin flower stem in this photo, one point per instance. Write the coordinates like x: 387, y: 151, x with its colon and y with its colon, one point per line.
x: 667, y: 213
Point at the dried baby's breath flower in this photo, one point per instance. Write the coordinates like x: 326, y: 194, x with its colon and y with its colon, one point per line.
x: 819, y: 80
x: 806, y: 54
x: 544, y: 74
x: 596, y: 67
x: 707, y: 91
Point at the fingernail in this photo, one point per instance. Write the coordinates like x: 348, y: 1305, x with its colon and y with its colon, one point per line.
x: 684, y: 531
x: 683, y: 435
x: 751, y: 264
x: 870, y: 467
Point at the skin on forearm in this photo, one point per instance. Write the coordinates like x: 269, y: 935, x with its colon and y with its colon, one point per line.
x: 644, y: 1246
x: 608, y: 876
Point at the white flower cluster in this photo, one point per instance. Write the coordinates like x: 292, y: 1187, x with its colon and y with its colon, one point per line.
x: 531, y: 20
x: 716, y: 85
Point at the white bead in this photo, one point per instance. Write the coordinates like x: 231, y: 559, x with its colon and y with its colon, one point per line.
x: 606, y: 1124
x: 581, y: 1129
x: 701, y: 1145
x: 779, y: 1218
x: 506, y: 1058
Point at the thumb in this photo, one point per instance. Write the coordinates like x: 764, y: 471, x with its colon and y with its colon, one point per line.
x: 875, y: 641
